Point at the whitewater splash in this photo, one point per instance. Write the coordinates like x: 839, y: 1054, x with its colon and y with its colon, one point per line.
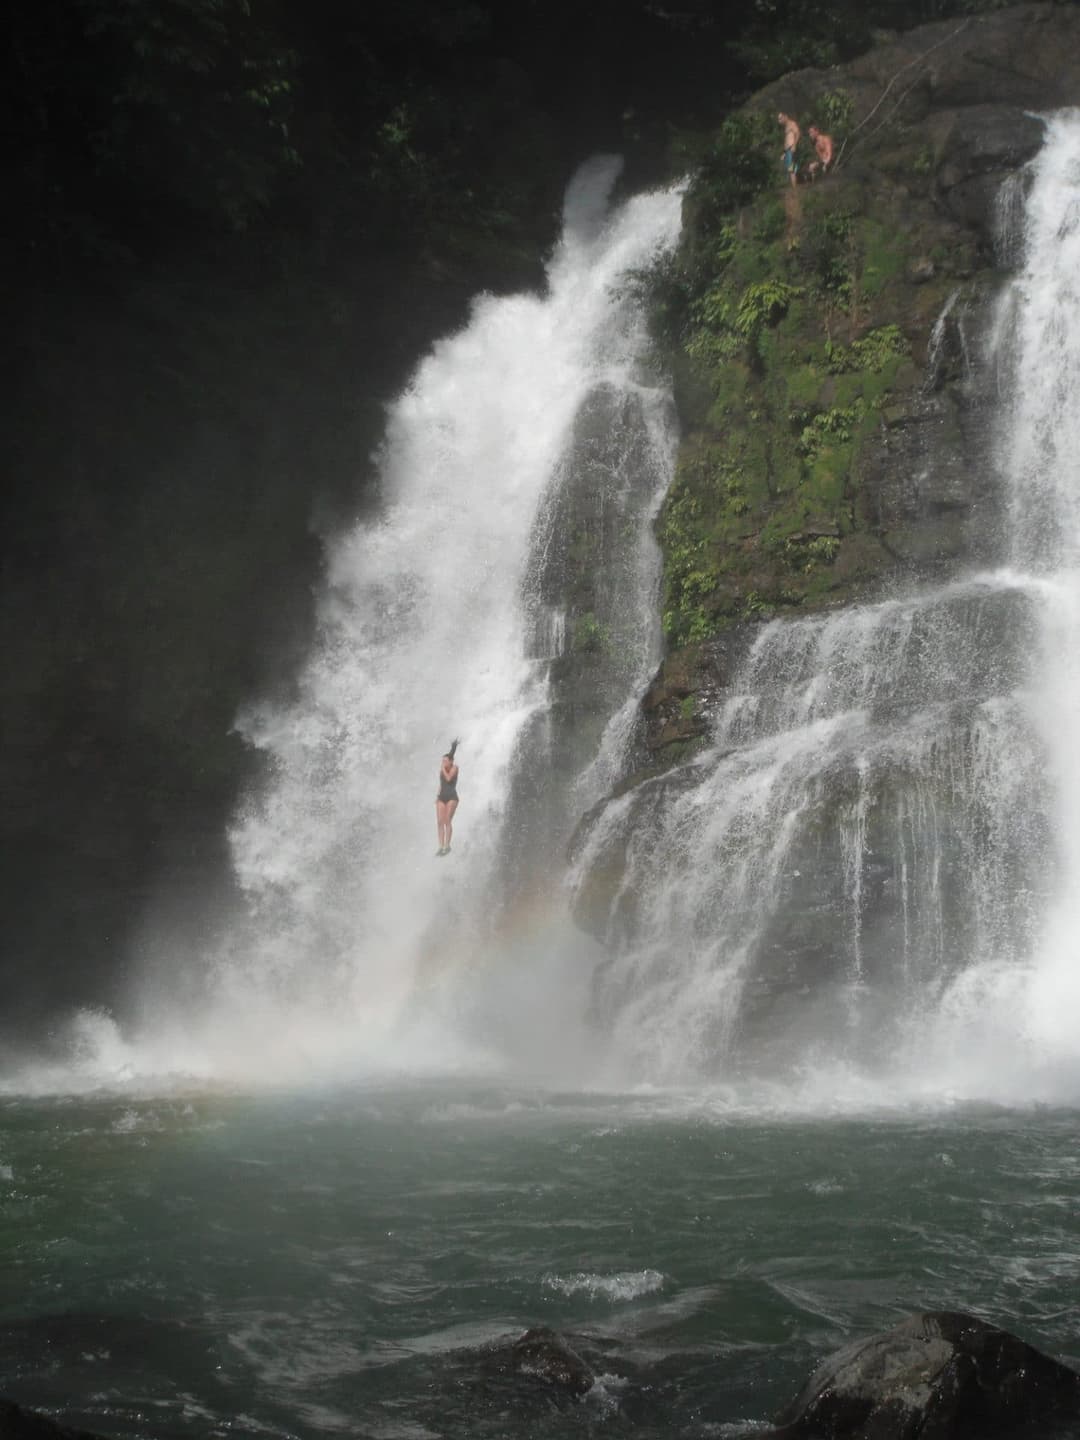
x: 875, y: 871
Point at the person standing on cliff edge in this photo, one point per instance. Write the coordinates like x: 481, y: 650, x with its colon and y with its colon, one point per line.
x: 446, y: 801
x: 823, y: 145
x: 792, y: 135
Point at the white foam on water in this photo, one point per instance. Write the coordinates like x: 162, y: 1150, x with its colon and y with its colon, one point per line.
x: 621, y: 1286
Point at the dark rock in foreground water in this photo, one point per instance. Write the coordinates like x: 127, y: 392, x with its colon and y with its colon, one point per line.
x: 18, y: 1424
x: 937, y: 1376
x: 546, y: 1355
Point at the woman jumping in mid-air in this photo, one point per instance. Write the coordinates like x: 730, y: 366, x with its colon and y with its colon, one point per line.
x: 446, y: 801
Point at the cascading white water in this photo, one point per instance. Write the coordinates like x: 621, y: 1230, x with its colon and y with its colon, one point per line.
x: 1039, y: 335
x: 878, y: 862
x: 859, y: 820
x: 441, y: 615
x: 424, y: 633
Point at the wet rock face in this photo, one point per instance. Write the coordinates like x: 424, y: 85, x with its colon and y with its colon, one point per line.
x: 19, y: 1424
x: 936, y: 1376
x: 982, y: 145
x: 677, y: 703
x: 1026, y: 56
x: 545, y: 1355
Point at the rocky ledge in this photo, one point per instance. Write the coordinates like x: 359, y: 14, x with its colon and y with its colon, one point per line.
x: 937, y: 1376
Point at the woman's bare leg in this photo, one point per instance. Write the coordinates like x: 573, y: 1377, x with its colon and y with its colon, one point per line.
x: 451, y: 806
x: 440, y: 823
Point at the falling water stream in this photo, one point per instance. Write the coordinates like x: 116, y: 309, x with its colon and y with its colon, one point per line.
x: 441, y: 618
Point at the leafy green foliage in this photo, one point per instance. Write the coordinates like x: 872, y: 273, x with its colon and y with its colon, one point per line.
x: 754, y: 604
x: 829, y: 249
x: 836, y: 111
x: 201, y: 99
x: 667, y: 295
x: 762, y: 304
x: 773, y: 43
x: 870, y: 353
x: 713, y: 345
x: 771, y: 223
x: 807, y: 553
x: 735, y: 170
x: 829, y: 427
x: 763, y: 507
x: 688, y: 575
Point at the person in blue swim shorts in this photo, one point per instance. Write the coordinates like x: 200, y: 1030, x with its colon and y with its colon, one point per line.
x: 792, y: 135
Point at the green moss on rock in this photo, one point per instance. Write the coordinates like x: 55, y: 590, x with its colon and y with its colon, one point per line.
x: 793, y: 346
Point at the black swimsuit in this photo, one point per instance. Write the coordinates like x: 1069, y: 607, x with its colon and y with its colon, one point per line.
x: 447, y: 788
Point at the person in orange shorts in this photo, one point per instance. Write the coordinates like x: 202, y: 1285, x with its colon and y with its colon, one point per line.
x: 823, y: 145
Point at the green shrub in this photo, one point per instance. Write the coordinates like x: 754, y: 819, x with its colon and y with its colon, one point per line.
x: 872, y: 353
x: 835, y: 426
x: 736, y: 169
x: 830, y: 251
x: 763, y: 304
x: 807, y: 554
x: 771, y: 223
x: 837, y: 110
x: 664, y: 291
x: 755, y: 604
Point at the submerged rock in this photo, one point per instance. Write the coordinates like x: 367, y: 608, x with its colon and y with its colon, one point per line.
x: 544, y: 1354
x: 19, y: 1424
x: 937, y: 1376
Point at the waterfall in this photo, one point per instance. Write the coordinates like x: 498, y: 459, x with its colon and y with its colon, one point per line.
x: 869, y: 809
x: 1040, y: 342
x: 875, y: 867
x: 869, y: 878
x: 441, y: 617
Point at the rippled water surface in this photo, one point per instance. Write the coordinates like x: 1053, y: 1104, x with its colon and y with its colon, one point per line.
x: 352, y: 1262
